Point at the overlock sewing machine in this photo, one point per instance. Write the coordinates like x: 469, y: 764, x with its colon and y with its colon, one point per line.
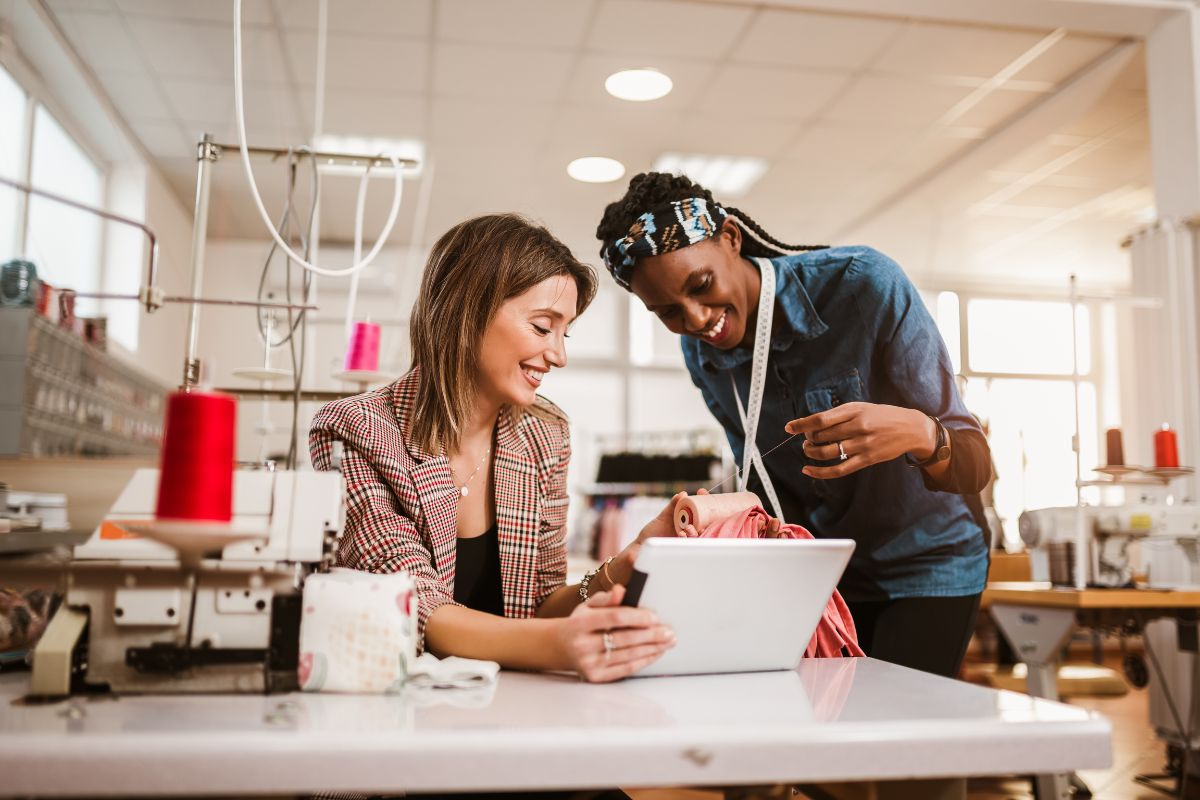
x: 218, y: 612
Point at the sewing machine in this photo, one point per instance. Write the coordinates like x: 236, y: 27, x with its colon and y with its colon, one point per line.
x: 1166, y: 538
x: 139, y: 618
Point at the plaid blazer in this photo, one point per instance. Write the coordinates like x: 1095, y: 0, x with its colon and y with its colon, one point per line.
x: 402, y: 504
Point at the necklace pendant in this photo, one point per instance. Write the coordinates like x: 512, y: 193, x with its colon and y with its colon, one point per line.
x: 464, y: 491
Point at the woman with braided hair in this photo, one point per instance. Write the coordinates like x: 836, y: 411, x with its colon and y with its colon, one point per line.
x: 837, y: 395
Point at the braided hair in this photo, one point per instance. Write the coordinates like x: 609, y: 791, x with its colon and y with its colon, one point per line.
x: 650, y: 189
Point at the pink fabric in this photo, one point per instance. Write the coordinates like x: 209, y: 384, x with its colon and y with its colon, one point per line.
x: 836, y: 628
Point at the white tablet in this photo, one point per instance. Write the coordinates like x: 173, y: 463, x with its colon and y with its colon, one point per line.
x: 736, y: 605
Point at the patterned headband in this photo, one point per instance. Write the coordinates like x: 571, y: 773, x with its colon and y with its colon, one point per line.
x: 669, y: 227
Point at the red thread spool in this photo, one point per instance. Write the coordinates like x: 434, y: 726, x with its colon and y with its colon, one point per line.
x: 195, y: 481
x: 363, y: 353
x: 1166, y: 448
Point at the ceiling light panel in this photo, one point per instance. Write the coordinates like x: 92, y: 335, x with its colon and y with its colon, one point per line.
x: 596, y: 169
x: 728, y: 176
x: 638, y: 85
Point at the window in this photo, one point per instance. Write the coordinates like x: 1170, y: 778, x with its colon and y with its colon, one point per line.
x: 65, y: 243
x: 1016, y: 359
x: 13, y: 106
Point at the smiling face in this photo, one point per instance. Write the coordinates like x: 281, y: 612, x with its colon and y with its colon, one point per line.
x: 705, y: 290
x: 525, y: 340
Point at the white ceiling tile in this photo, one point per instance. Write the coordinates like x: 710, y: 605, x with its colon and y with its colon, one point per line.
x: 601, y: 132
x: 1117, y: 112
x: 459, y: 122
x: 943, y: 49
x: 691, y: 78
x: 102, y: 41
x: 500, y: 72
x: 360, y: 63
x: 660, y: 27
x: 894, y: 101
x: 375, y: 114
x: 777, y: 92
x: 803, y: 39
x: 1069, y: 55
x: 254, y: 12
x: 833, y: 144
x: 997, y: 107
x: 718, y: 132
x: 162, y: 138
x: 57, y: 6
x: 198, y: 50
x: 532, y: 22
x: 137, y: 97
x: 378, y: 18
x: 272, y: 111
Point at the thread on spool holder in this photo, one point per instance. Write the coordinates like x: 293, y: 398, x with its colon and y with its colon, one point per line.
x: 195, y: 481
x: 363, y: 350
x: 1166, y: 448
x: 1114, y: 448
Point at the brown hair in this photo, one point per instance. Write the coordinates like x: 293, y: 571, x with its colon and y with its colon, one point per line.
x: 471, y: 271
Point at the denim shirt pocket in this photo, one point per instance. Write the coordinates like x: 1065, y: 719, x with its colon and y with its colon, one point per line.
x: 843, y: 387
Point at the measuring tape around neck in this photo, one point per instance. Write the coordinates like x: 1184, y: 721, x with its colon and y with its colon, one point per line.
x: 758, y: 377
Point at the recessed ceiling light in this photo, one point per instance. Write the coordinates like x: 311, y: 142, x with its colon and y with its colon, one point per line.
x: 367, y: 146
x: 595, y: 169
x: 638, y: 85
x: 727, y: 176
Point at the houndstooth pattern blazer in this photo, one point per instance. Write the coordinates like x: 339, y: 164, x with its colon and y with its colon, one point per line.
x: 402, y: 504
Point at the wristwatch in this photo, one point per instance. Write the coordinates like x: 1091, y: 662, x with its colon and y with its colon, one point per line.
x: 941, y: 447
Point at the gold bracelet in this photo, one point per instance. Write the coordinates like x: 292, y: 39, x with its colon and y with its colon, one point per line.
x: 607, y: 576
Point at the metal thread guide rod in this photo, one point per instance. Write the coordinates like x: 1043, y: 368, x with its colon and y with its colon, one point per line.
x: 207, y: 154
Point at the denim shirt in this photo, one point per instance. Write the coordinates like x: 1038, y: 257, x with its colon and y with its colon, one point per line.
x: 851, y: 326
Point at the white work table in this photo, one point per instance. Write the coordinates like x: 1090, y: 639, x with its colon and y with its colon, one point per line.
x: 830, y: 720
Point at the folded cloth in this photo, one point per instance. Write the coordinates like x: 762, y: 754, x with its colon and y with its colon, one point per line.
x: 451, y: 672
x: 358, y: 631
x: 835, y: 635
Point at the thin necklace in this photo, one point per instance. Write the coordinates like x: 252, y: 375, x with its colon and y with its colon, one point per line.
x: 463, y: 488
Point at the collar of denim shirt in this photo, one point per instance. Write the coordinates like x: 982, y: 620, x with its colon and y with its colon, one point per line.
x: 802, y: 320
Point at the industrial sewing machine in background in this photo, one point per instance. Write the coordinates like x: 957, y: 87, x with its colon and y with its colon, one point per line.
x: 1158, y: 544
x: 1154, y: 539
x: 138, y: 618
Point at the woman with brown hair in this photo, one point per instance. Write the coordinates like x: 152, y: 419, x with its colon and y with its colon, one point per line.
x: 456, y: 473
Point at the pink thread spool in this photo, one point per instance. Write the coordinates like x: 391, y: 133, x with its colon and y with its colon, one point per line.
x: 703, y: 510
x: 363, y: 353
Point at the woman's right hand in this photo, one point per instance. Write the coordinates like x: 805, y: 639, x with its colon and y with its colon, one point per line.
x: 635, y: 636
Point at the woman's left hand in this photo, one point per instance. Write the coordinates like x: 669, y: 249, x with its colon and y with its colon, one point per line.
x: 869, y: 433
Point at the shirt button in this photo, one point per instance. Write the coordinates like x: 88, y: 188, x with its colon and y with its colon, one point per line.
x: 837, y: 401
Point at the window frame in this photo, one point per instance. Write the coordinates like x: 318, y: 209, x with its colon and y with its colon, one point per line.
x: 37, y: 94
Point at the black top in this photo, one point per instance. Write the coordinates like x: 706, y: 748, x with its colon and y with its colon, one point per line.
x: 477, y: 573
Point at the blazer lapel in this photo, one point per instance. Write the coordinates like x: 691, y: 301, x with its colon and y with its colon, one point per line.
x: 434, y: 485
x: 518, y: 509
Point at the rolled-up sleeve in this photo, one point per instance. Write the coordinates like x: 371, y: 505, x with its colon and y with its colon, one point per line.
x: 912, y: 352
x: 378, y: 536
